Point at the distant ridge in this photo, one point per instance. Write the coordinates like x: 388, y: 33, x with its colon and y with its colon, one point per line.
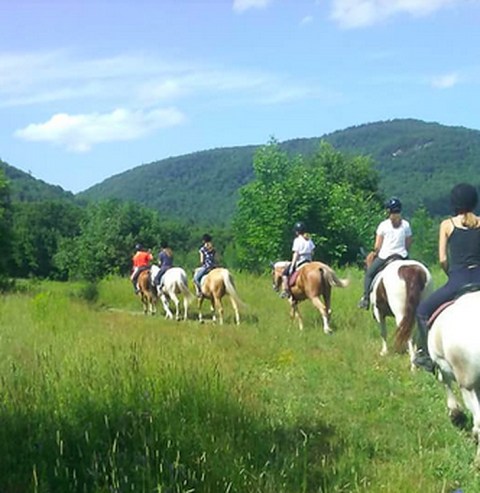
x: 26, y: 188
x: 417, y: 161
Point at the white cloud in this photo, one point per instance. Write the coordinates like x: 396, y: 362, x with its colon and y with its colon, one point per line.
x: 308, y: 19
x: 243, y: 5
x: 362, y: 13
x: 445, y: 81
x: 81, y: 94
x: 79, y: 133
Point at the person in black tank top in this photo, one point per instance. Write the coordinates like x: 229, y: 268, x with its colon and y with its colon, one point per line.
x: 459, y: 256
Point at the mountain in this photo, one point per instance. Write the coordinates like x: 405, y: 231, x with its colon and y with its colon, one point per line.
x: 417, y: 161
x: 26, y: 188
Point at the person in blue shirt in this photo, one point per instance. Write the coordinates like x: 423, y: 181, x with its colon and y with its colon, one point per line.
x: 207, y: 261
x: 165, y: 261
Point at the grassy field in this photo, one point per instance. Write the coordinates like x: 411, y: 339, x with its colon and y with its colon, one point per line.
x: 97, y: 397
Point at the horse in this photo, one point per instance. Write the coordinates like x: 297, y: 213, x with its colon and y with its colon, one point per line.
x: 396, y: 291
x: 454, y: 345
x: 214, y: 286
x: 147, y: 292
x: 174, y: 283
x: 314, y: 282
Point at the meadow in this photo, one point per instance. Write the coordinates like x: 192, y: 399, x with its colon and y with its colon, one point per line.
x: 97, y: 397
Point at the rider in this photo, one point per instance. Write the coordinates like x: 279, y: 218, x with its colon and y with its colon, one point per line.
x: 302, y: 248
x: 393, y: 237
x: 141, y: 261
x: 165, y: 261
x: 459, y: 257
x: 207, y: 261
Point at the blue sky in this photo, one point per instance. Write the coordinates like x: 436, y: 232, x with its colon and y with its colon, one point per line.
x: 89, y: 89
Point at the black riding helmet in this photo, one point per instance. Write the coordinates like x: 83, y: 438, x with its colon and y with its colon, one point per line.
x: 299, y: 227
x: 138, y: 247
x: 463, y: 198
x: 393, y: 205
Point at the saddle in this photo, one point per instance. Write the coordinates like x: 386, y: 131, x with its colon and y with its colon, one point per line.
x: 389, y: 260
x: 292, y: 279
x: 468, y: 288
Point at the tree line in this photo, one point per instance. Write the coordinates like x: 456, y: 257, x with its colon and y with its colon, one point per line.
x: 336, y: 195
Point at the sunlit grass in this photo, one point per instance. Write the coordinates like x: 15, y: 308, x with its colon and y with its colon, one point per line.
x: 98, y: 397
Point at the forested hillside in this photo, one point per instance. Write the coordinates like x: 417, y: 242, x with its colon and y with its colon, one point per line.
x: 26, y: 188
x: 417, y: 161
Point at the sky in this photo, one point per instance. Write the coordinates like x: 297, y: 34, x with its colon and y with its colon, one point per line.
x: 92, y: 88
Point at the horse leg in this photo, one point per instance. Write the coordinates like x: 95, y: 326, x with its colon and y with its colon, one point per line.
x: 383, y: 335
x: 168, y: 312
x: 295, y: 314
x: 411, y: 353
x: 455, y: 411
x: 185, y: 307
x: 200, y: 303
x: 471, y: 399
x: 176, y: 301
x: 324, y: 312
x: 218, y: 307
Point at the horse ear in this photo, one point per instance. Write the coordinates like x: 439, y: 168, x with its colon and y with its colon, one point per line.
x: 272, y: 265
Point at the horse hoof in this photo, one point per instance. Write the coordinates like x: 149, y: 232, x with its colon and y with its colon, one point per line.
x: 458, y: 418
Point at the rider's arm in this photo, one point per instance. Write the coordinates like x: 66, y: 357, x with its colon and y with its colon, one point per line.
x: 378, y: 243
x: 408, y: 242
x: 444, y: 233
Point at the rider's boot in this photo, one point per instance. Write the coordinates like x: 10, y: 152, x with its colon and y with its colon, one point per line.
x: 286, y: 291
x: 422, y: 357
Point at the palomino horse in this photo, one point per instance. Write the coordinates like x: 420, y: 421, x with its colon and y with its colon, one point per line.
x: 147, y: 292
x: 314, y: 282
x: 396, y: 291
x: 454, y: 345
x: 215, y: 285
x: 174, y: 283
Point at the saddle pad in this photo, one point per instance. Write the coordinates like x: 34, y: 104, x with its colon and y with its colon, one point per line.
x: 293, y: 278
x: 437, y: 312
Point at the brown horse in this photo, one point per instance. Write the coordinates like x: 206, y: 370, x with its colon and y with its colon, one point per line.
x: 215, y: 285
x: 147, y: 293
x: 396, y: 291
x: 314, y: 282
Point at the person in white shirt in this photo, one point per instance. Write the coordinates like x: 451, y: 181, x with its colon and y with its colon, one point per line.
x: 393, y: 238
x: 302, y: 248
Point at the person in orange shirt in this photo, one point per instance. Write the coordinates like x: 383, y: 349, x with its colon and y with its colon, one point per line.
x: 141, y: 261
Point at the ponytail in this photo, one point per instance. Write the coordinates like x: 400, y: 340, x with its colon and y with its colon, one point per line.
x: 470, y: 220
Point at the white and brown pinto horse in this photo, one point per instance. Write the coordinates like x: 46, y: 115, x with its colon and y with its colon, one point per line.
x: 174, y: 284
x: 314, y: 281
x: 215, y: 285
x: 147, y: 292
x: 396, y: 291
x: 454, y: 345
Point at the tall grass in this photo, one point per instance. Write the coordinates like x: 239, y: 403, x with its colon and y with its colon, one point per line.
x: 97, y: 397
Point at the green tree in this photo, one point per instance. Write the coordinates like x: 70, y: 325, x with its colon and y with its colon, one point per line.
x: 425, y: 237
x: 335, y: 195
x: 38, y: 228
x: 5, y: 231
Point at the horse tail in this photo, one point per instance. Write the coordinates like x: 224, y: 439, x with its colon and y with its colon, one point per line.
x: 183, y: 286
x: 230, y: 287
x: 415, y: 279
x: 332, y: 278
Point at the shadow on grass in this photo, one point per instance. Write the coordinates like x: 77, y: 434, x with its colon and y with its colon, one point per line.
x: 176, y: 442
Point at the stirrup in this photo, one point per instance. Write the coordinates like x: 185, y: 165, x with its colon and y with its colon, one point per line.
x: 364, y: 303
x: 423, y: 360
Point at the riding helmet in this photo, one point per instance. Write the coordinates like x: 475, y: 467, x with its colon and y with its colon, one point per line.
x: 299, y: 227
x: 463, y: 198
x: 206, y: 238
x: 394, y: 205
x: 138, y: 246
